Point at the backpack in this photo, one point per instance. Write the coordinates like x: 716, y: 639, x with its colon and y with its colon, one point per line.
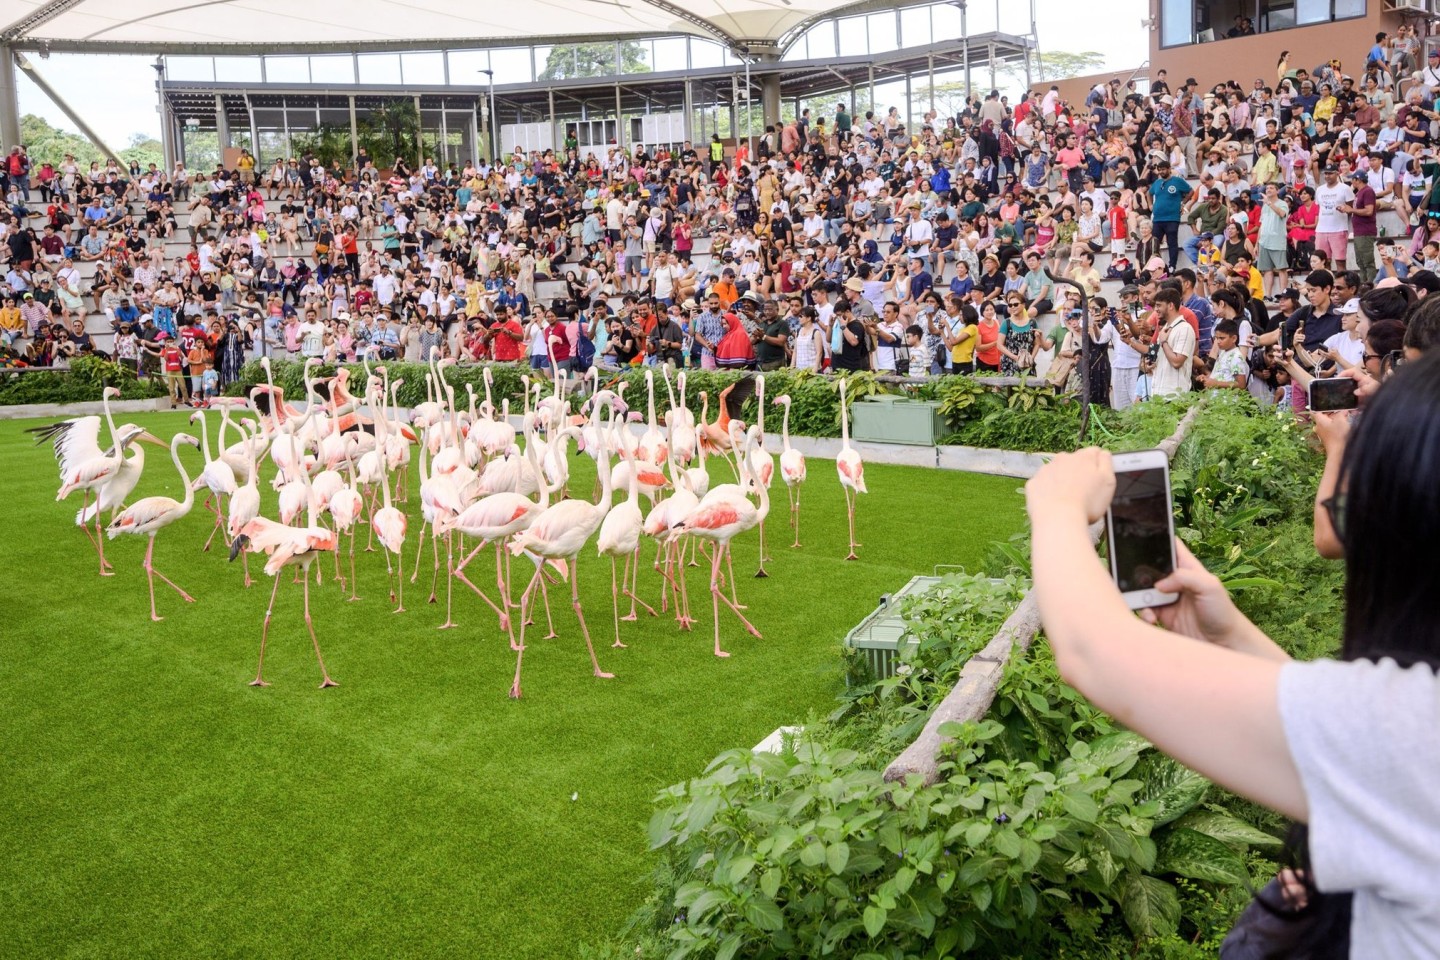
x: 584, y: 355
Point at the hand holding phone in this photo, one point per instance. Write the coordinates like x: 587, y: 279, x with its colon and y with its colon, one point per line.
x: 1333, y: 393
x: 1140, y: 528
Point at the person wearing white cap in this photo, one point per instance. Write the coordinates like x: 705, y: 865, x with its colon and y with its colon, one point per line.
x: 1346, y: 349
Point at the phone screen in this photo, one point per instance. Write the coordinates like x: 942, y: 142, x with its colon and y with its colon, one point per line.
x: 1140, y: 546
x: 1333, y: 393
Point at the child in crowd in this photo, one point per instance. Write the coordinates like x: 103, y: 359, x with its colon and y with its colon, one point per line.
x: 1208, y: 265
x: 920, y: 354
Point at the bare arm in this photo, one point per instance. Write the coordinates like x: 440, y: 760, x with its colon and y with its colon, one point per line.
x: 1213, y: 709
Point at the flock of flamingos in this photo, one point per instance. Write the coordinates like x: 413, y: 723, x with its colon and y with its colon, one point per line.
x: 338, y: 466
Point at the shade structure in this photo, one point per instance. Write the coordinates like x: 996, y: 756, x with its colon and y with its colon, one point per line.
x: 281, y: 25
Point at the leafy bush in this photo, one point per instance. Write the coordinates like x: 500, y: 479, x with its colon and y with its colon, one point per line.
x: 1051, y: 831
x: 1048, y: 828
x: 84, y: 381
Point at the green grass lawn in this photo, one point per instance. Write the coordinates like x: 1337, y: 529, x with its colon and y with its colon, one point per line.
x: 155, y: 805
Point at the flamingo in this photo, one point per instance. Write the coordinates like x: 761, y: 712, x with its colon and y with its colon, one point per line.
x: 725, y: 513
x: 83, y: 465
x: 620, y: 537
x: 150, y: 515
x: 761, y: 463
x: 217, y: 476
x: 652, y: 441
x: 850, y: 468
x: 245, y: 504
x: 388, y: 522
x: 659, y: 524
x: 792, y: 467
x: 346, y: 505
x: 560, y: 533
x: 288, y: 546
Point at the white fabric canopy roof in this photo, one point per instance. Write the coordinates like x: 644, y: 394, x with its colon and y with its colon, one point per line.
x: 361, y: 24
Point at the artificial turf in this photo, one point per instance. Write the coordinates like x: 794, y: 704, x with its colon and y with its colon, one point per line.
x: 155, y: 805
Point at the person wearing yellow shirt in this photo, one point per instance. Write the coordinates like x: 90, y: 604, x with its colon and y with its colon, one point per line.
x: 962, y: 332
x: 246, y: 166
x: 12, y: 324
x: 1325, y: 106
x: 1245, y: 270
x: 1267, y: 168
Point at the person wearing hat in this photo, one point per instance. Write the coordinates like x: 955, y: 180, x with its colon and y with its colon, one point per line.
x: 1363, y: 227
x: 1332, y: 231
x: 1429, y: 77
x: 1167, y: 199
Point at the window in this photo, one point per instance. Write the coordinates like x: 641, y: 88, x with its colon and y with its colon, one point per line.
x: 1201, y: 21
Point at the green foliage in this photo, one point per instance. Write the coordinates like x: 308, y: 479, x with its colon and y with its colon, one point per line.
x: 1048, y: 828
x: 593, y: 60
x: 1051, y: 831
x: 84, y: 381
x: 48, y: 144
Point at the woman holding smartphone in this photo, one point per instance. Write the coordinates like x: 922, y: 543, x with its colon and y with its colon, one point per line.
x: 1349, y: 747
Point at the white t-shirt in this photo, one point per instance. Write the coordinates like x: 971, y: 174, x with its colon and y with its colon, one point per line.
x: 1329, y: 199
x: 1352, y: 349
x: 1363, y: 738
x: 312, y: 339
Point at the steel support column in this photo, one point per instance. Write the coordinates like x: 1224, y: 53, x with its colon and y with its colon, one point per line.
x: 689, y: 120
x: 9, y: 101
x: 354, y: 136
x: 222, y: 125
x: 419, y: 135
x: 619, y: 120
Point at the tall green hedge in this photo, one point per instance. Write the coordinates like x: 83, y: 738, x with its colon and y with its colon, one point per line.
x: 84, y: 381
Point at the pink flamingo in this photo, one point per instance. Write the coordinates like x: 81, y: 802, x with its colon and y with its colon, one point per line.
x: 792, y: 467
x: 725, y: 513
x: 491, y: 520
x: 559, y: 534
x: 388, y: 522
x: 288, y: 546
x: 245, y: 502
x: 217, y: 476
x: 762, y: 464
x: 150, y: 515
x: 620, y: 537
x: 851, y: 470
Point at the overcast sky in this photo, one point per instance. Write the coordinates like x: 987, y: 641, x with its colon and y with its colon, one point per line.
x: 117, y: 94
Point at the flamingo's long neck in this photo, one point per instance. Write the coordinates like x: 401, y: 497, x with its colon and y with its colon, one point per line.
x: 204, y: 435
x: 844, y: 418
x: 189, y: 500
x: 785, y: 428
x: 760, y: 408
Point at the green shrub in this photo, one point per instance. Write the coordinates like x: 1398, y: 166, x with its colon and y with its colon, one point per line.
x: 84, y: 381
x: 1051, y: 832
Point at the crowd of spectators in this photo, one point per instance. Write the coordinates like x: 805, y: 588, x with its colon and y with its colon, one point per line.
x: 975, y: 243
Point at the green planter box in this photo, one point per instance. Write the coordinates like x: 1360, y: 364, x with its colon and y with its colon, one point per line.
x: 879, y: 636
x: 889, y: 419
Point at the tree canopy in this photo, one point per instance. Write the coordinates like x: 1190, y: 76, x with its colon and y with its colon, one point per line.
x: 47, y: 144
x: 570, y: 60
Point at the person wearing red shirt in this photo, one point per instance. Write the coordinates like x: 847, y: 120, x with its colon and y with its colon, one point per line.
x: 506, y: 339
x: 559, y: 342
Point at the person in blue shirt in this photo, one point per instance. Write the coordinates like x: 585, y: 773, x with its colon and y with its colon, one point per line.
x: 1168, y: 194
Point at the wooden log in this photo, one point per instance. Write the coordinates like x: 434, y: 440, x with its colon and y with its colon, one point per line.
x: 980, y: 678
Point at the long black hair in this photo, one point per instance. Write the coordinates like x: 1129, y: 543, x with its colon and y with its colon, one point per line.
x: 1388, y: 511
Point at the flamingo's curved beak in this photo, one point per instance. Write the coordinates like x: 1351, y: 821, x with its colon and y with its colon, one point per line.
x: 151, y: 438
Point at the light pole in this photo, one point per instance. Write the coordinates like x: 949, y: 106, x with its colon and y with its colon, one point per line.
x: 490, y: 121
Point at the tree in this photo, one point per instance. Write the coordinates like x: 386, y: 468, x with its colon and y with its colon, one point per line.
x: 1054, y: 65
x: 571, y: 60
x: 47, y: 144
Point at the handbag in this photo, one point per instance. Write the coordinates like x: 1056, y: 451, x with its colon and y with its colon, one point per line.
x: 1059, y: 372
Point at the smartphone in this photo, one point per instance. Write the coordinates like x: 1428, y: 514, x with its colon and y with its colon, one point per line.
x: 1333, y: 393
x: 1140, y: 527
